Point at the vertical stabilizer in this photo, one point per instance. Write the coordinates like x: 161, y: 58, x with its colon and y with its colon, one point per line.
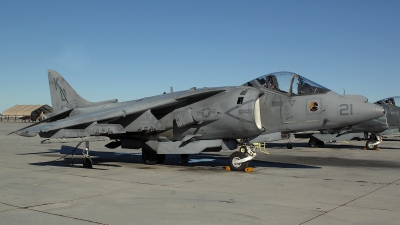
x: 64, y: 97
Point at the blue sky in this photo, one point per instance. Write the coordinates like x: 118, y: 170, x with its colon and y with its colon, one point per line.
x: 133, y: 49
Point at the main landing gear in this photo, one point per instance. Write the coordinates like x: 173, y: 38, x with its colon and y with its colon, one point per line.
x: 373, y: 142
x: 150, y: 157
x: 239, y: 160
x: 315, y: 143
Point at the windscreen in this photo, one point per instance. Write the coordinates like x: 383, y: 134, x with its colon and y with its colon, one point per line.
x: 395, y: 101
x: 303, y: 86
x: 287, y: 82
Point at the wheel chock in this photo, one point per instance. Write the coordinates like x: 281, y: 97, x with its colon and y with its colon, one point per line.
x: 377, y: 149
x: 227, y: 168
x: 248, y: 169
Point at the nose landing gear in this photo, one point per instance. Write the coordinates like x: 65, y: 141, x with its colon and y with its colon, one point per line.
x: 373, y: 142
x: 239, y: 160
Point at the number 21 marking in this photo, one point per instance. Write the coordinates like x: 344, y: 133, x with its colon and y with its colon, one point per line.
x: 345, y: 109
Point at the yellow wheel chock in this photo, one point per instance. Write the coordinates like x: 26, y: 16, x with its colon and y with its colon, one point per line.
x: 247, y: 169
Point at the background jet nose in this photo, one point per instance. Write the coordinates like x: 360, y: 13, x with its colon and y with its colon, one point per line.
x: 353, y: 111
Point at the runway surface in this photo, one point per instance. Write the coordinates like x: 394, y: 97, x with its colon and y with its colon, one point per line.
x: 338, y: 184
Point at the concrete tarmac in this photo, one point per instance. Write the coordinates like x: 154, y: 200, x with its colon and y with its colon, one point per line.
x: 338, y: 184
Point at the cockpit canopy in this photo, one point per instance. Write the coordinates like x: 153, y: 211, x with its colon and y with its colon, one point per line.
x: 287, y: 83
x: 395, y: 101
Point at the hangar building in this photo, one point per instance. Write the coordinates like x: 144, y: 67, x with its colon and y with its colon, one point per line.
x: 25, y: 113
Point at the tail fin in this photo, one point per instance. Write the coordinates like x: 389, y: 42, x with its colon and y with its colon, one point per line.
x: 64, y: 97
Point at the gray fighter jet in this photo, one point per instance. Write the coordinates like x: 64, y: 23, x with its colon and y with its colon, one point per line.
x: 384, y: 125
x: 197, y: 120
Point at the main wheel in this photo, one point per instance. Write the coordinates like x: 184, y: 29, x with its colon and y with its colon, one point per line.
x: 320, y: 144
x: 234, y: 165
x: 149, y: 158
x: 160, y: 158
x: 369, y: 145
x: 289, y: 145
x: 312, y: 143
x: 185, y: 156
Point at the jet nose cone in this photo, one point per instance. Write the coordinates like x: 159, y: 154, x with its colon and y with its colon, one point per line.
x: 352, y: 111
x: 372, y: 111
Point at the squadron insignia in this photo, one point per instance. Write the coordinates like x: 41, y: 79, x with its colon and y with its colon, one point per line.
x: 313, y: 106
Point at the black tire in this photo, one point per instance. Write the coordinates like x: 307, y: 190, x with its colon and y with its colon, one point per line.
x: 237, y: 166
x: 160, y: 158
x: 312, y: 143
x: 369, y: 145
x: 289, y: 145
x: 320, y: 144
x: 149, y: 158
x: 185, y: 156
x: 87, y: 163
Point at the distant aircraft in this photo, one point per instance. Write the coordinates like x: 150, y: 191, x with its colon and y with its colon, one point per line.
x: 384, y: 125
x: 197, y: 120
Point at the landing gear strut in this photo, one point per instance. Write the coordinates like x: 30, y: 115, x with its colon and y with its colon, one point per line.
x: 87, y: 161
x: 373, y: 142
x: 239, y: 160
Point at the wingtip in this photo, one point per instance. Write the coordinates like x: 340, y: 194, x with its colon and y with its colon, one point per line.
x: 10, y: 133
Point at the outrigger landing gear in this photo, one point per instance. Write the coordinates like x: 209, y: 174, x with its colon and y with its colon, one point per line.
x: 373, y: 142
x: 87, y: 161
x: 239, y: 160
x: 289, y: 144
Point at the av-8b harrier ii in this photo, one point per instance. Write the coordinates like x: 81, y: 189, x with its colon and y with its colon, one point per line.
x: 197, y: 120
x: 384, y: 125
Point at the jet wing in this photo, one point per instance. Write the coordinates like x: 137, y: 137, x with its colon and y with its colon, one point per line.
x: 121, y: 110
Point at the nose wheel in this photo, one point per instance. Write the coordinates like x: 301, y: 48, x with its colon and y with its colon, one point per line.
x: 373, y: 142
x: 235, y: 161
x: 239, y: 160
